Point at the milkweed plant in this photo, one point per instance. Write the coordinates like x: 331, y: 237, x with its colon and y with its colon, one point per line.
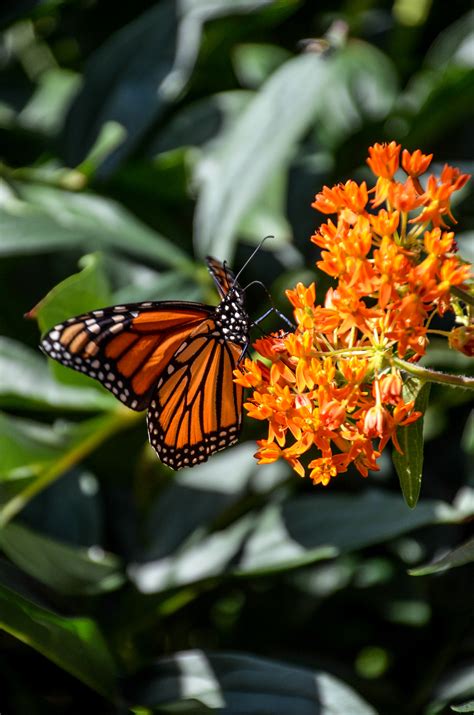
x: 346, y: 381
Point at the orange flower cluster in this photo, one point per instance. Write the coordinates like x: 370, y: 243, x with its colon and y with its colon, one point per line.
x: 332, y: 383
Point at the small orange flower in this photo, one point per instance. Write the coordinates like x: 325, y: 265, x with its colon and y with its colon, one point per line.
x: 416, y: 163
x: 384, y: 159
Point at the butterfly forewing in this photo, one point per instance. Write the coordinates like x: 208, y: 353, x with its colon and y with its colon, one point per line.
x: 125, y: 347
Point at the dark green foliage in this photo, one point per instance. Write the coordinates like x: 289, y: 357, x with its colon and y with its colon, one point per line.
x: 135, y: 138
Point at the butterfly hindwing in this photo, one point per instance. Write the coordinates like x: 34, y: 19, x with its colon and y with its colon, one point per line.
x: 197, y: 408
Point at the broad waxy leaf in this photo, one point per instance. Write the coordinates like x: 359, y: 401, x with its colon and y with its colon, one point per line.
x: 232, y: 178
x: 75, y: 644
x: 308, y: 528
x: 139, y: 72
x: 198, y: 681
x: 84, y: 291
x: 78, y: 441
x: 283, y: 536
x: 48, y: 218
x: 26, y: 382
x: 66, y: 569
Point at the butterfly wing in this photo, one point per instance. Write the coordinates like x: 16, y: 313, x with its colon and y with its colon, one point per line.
x: 126, y: 347
x: 197, y: 408
x: 222, y: 275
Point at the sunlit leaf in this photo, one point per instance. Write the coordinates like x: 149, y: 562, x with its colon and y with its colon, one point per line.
x: 84, y: 291
x: 64, y: 568
x: 361, y: 88
x: 47, y: 108
x: 48, y: 218
x: 139, y: 72
x: 464, y: 708
x: 75, y: 644
x: 197, y: 681
x: 254, y: 63
x: 26, y: 382
x: 233, y: 177
x: 78, y: 442
x: 309, y: 528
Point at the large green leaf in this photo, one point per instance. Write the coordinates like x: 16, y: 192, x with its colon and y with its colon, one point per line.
x: 229, y: 683
x: 361, y: 89
x: 84, y: 291
x: 140, y: 71
x: 283, y: 536
x: 26, y: 447
x: 310, y: 527
x: 48, y: 218
x: 78, y: 441
x: 260, y: 142
x: 66, y: 569
x: 254, y: 63
x: 26, y: 382
x: 75, y: 644
x: 87, y: 290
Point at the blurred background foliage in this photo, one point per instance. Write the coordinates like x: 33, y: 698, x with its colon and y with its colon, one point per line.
x: 135, y: 138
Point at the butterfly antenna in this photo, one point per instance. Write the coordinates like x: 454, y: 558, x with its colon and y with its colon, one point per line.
x: 256, y: 250
x: 273, y: 309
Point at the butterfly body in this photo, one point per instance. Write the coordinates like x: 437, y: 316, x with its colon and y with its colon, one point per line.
x: 174, y: 358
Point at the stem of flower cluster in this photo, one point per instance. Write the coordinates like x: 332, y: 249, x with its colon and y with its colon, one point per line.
x: 427, y: 375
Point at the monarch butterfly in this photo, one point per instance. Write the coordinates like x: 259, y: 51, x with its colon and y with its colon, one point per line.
x: 174, y: 358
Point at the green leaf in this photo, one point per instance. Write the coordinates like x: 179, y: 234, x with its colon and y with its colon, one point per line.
x: 48, y: 218
x: 254, y: 63
x: 66, y: 569
x: 281, y: 537
x: 361, y: 88
x: 232, y: 178
x: 75, y: 644
x: 26, y: 447
x: 409, y: 464
x: 47, y: 108
x: 198, y: 681
x: 421, y: 106
x: 453, y: 46
x: 201, y: 123
x: 84, y: 291
x: 309, y: 528
x: 463, y: 554
x: 464, y: 708
x: 26, y: 382
x: 80, y: 440
x: 139, y: 72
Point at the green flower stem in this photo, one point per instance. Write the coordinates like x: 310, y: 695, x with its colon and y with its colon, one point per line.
x: 427, y: 375
x: 116, y: 421
x: 467, y: 298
